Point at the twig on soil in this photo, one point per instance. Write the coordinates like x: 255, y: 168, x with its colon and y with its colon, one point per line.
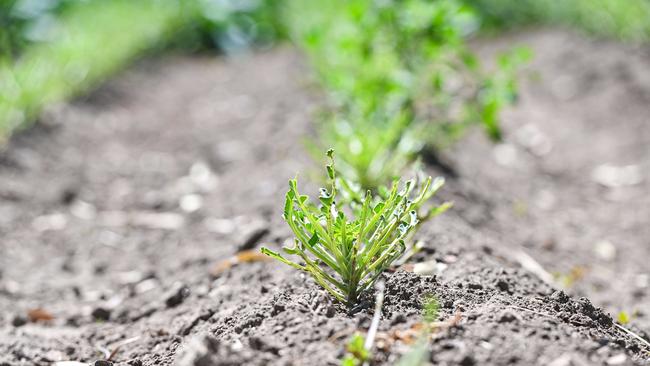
x: 531, y: 265
x: 122, y: 344
x: 379, y: 302
x: 629, y: 332
x: 108, y: 355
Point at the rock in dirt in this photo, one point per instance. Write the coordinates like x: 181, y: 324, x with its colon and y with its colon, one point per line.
x: 100, y: 313
x: 508, y: 316
x: 560, y: 296
x: 18, y: 321
x: 177, y: 296
x: 467, y: 360
x: 429, y: 268
x: 502, y: 286
x: 197, y: 351
x: 103, y: 363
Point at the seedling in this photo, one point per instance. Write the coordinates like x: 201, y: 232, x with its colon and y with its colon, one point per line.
x: 419, y: 352
x: 356, y: 352
x: 623, y: 317
x: 346, y: 247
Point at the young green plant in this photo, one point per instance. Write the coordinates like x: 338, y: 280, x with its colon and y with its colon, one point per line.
x: 346, y: 255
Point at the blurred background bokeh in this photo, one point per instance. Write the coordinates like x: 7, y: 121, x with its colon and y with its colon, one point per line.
x: 54, y: 50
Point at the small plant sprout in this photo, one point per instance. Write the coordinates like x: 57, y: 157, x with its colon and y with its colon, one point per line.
x: 356, y: 352
x: 419, y: 353
x: 346, y: 255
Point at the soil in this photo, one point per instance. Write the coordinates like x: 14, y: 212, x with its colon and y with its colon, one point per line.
x: 118, y: 211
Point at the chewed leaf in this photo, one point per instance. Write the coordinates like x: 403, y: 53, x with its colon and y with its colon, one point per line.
x: 330, y: 172
x: 325, y: 197
x: 414, y: 217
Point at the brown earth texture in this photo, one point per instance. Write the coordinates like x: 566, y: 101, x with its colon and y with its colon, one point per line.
x: 120, y: 214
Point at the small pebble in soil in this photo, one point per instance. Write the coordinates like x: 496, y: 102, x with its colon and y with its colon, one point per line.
x: 398, y: 318
x: 467, y: 361
x: 68, y: 195
x: 502, y: 285
x: 18, y: 321
x: 101, y: 313
x: 103, y: 363
x: 177, y: 296
x: 277, y: 309
x: 73, y: 321
x: 560, y: 297
x: 191, y: 203
x: 330, y: 311
x: 508, y: 316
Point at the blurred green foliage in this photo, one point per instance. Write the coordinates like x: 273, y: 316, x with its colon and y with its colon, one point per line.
x: 235, y: 25
x: 53, y: 50
x: 92, y: 40
x: 23, y: 22
x: 624, y: 19
x: 400, y: 79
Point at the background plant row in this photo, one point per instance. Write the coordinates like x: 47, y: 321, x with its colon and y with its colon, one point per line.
x: 54, y: 50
